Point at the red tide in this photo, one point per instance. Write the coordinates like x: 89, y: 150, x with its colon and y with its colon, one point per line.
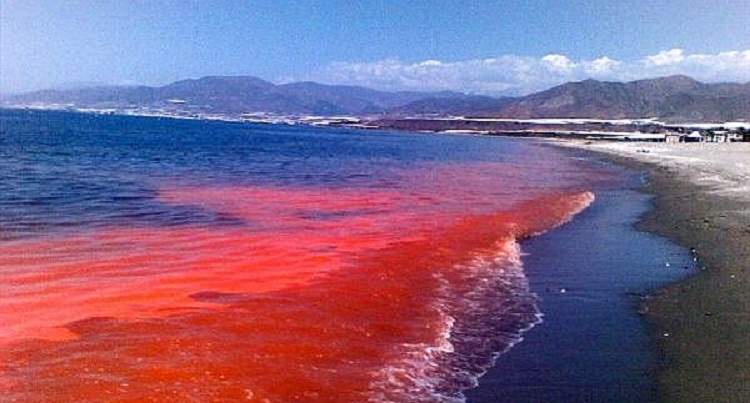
x: 298, y: 305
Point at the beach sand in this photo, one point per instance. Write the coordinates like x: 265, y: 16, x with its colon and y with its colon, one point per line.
x: 703, y: 323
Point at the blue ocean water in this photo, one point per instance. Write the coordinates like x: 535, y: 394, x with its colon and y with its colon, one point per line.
x: 70, y: 170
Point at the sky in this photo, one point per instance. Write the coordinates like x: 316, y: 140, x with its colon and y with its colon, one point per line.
x: 483, y: 47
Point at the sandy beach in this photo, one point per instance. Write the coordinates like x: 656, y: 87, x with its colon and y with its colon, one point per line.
x: 703, y: 323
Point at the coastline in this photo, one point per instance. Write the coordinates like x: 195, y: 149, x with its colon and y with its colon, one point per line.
x: 701, y: 324
x: 590, y: 275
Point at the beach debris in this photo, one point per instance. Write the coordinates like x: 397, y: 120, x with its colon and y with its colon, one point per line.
x: 666, y: 264
x: 694, y: 253
x: 666, y: 334
x: 563, y: 290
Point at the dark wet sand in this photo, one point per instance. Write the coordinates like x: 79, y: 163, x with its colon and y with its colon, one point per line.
x: 702, y: 324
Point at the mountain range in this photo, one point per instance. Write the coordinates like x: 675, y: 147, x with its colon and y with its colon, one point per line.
x: 232, y: 95
x: 673, y: 98
x: 676, y: 98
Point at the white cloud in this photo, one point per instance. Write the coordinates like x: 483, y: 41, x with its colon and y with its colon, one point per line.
x: 723, y: 66
x: 601, y: 66
x: 431, y: 63
x: 666, y: 57
x: 559, y: 62
x: 516, y: 75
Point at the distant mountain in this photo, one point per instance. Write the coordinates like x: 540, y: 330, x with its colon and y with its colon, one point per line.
x: 104, y: 96
x: 456, y: 105
x: 343, y: 98
x: 77, y: 85
x: 669, y: 98
x: 233, y: 95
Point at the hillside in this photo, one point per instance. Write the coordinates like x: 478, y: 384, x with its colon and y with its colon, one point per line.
x: 462, y: 105
x: 676, y: 98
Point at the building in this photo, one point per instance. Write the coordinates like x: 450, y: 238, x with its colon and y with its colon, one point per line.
x: 674, y: 137
x: 694, y: 137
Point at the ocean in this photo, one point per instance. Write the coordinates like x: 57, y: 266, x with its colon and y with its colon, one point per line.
x: 147, y: 259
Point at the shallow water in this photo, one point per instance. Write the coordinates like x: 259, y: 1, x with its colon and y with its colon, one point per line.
x: 591, y: 277
x: 162, y: 260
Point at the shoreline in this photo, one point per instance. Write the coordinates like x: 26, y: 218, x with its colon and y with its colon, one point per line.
x: 590, y: 276
x: 701, y: 324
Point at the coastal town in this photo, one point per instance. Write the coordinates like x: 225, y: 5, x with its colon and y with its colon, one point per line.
x: 636, y: 129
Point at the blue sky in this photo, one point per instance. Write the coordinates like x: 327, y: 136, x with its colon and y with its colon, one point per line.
x: 493, y: 47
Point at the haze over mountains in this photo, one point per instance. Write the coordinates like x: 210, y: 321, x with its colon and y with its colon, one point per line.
x: 673, y: 98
